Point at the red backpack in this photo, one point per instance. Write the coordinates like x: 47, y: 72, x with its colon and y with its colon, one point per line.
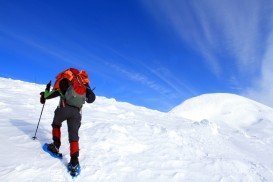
x: 76, y: 92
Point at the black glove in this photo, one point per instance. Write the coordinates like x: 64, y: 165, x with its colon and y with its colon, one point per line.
x: 42, y: 98
x: 90, y: 96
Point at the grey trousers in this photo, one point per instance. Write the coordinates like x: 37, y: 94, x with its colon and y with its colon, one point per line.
x: 73, y: 117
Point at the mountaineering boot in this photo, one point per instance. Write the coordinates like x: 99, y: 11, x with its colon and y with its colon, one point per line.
x: 74, y: 161
x: 74, y: 166
x: 52, y: 148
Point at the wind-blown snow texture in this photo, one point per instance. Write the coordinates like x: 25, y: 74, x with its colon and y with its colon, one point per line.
x: 224, y: 138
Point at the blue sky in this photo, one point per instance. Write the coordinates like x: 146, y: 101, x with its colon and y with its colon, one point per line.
x: 149, y: 53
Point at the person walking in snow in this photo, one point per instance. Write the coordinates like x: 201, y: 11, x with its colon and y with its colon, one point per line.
x: 73, y: 88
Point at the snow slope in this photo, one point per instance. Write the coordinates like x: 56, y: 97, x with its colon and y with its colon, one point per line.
x: 122, y: 142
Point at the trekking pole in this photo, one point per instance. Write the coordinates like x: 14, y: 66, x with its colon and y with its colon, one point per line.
x: 38, y: 122
x: 47, y: 89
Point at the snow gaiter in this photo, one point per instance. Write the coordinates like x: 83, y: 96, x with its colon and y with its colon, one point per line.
x: 56, y: 133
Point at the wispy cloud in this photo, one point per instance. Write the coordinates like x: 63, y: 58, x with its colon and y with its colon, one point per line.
x: 71, y: 53
x: 140, y: 78
x: 214, y: 28
x: 165, y: 75
x: 162, y: 73
x: 239, y: 31
x: 262, y: 89
x: 47, y: 49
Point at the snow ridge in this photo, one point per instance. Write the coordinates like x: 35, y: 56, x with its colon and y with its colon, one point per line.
x: 122, y: 142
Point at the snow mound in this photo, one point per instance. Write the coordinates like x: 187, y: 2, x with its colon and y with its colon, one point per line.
x: 234, y: 110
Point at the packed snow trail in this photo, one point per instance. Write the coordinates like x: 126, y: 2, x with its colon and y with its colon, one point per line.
x: 122, y: 142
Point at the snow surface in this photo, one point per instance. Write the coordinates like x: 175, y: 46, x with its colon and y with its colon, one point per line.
x: 224, y: 138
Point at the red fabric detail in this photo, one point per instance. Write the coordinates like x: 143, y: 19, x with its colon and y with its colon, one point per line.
x: 74, y: 75
x: 78, y: 86
x: 74, y: 147
x: 56, y: 132
x: 74, y: 71
x: 84, y: 77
